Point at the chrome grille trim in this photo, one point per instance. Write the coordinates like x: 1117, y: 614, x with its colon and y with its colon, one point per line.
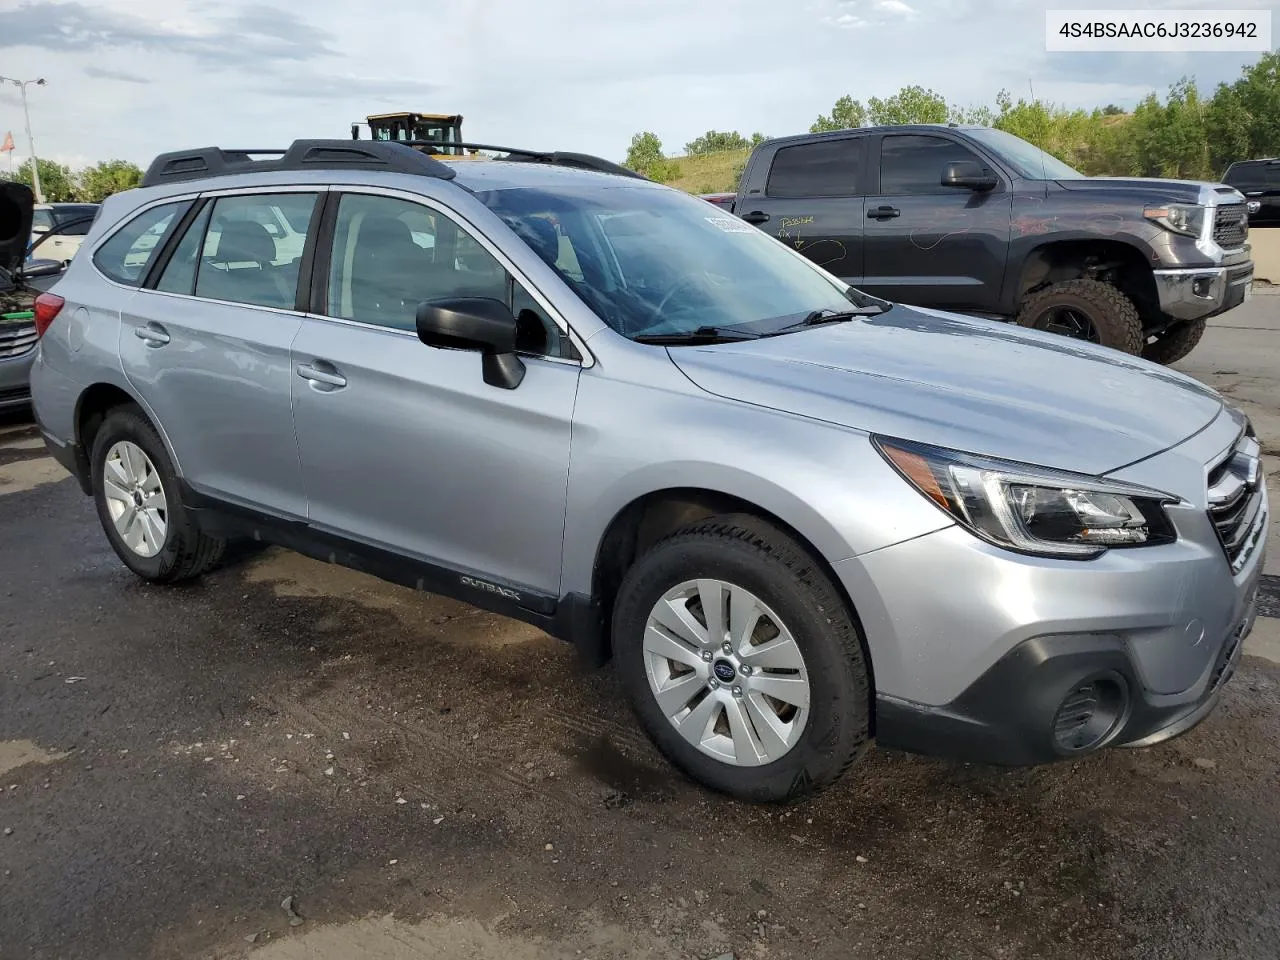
x: 17, y: 339
x: 1236, y: 490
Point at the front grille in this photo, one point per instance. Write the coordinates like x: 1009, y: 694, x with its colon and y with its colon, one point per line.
x: 16, y: 395
x: 17, y: 338
x: 1231, y: 226
x: 1236, y: 492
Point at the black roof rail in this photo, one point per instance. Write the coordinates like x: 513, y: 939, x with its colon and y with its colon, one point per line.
x: 203, y: 162
x: 583, y: 161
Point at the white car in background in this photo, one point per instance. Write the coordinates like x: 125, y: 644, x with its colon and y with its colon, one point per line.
x: 58, y: 229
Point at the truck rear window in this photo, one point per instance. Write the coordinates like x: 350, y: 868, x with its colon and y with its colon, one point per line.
x: 821, y: 168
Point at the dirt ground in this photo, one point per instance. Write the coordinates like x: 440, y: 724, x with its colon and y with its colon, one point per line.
x: 425, y: 780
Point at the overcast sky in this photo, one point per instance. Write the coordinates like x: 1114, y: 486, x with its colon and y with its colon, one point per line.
x: 131, y: 78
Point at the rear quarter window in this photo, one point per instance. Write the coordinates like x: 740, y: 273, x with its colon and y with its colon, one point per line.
x: 127, y: 254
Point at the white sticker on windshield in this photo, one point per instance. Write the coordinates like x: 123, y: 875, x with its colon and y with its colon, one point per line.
x: 730, y: 224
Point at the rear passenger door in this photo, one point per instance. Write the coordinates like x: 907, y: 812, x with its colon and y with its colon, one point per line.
x: 930, y: 245
x: 404, y: 446
x: 812, y: 200
x: 206, y: 343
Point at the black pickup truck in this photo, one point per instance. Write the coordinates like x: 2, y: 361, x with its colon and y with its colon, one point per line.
x: 975, y: 220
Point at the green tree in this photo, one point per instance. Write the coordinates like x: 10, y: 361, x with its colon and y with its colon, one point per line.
x: 846, y: 114
x: 912, y: 104
x: 110, y: 176
x: 1228, y: 128
x: 758, y: 138
x: 1169, y: 139
x: 716, y: 141
x: 57, y: 182
x: 644, y: 153
x: 1258, y: 91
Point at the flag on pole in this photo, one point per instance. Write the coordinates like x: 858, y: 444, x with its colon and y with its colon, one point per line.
x: 7, y: 146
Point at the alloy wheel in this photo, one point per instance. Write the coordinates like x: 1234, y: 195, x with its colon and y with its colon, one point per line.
x: 726, y: 672
x: 135, y: 498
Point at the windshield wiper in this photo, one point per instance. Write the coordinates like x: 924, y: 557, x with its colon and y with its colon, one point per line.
x: 827, y: 315
x: 701, y: 335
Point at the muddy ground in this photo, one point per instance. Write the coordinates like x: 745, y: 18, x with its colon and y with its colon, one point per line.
x: 425, y: 780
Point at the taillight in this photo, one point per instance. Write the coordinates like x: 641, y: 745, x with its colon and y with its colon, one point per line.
x: 47, y: 308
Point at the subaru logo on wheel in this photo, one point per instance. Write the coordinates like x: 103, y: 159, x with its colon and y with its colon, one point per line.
x: 724, y: 671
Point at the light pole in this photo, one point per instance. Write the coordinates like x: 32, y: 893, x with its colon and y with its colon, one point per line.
x: 35, y: 163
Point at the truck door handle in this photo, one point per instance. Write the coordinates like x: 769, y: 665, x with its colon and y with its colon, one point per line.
x: 883, y: 213
x: 154, y: 334
x: 755, y: 216
x: 315, y: 375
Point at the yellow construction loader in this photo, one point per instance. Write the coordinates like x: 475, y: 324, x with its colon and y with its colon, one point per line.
x: 443, y: 130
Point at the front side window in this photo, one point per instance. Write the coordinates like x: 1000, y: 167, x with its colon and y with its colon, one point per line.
x: 241, y: 261
x: 391, y: 255
x: 127, y: 254
x: 912, y: 165
x: 656, y: 262
x: 821, y: 168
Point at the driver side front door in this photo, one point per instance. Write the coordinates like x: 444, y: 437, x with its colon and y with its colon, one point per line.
x: 404, y: 447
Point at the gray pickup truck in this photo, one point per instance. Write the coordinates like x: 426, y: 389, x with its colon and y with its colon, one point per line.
x: 978, y: 221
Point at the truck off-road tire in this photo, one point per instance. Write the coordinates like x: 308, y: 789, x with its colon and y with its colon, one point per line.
x: 742, y: 660
x: 1086, y: 310
x: 1173, y: 345
x: 140, y: 503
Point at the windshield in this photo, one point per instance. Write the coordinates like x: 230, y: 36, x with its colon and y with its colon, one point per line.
x: 1030, y: 162
x: 654, y: 262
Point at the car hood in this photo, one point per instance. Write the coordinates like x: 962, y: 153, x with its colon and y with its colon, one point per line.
x: 1177, y: 191
x: 982, y: 386
x: 16, y: 206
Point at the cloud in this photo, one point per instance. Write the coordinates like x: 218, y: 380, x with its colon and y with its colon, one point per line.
x: 242, y: 36
x: 856, y: 14
x: 102, y: 73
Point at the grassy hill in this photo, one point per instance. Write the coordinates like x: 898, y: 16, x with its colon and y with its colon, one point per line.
x: 710, y: 173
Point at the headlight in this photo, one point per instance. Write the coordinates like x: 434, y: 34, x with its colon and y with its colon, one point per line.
x: 1186, y: 218
x: 1031, y: 509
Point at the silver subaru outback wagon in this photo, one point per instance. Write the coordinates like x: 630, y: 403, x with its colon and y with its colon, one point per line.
x: 798, y: 518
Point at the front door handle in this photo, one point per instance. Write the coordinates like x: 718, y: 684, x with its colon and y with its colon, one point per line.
x: 315, y: 375
x: 755, y: 216
x: 153, y: 334
x: 883, y: 213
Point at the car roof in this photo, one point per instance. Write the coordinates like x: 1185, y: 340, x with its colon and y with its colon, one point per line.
x: 483, y: 175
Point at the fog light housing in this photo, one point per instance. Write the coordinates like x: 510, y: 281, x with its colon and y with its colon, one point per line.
x: 1090, y: 714
x: 1202, y: 286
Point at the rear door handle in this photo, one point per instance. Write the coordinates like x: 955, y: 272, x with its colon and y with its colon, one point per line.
x: 315, y: 375
x: 883, y: 213
x: 755, y: 216
x: 154, y: 334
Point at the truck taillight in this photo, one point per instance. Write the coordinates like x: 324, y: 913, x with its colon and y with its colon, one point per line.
x: 46, y: 309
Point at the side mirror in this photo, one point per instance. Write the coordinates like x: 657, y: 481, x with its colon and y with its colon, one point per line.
x: 479, y: 324
x: 355, y: 131
x: 34, y: 269
x: 968, y: 175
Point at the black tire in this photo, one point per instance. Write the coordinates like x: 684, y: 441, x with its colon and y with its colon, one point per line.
x: 1113, y: 316
x: 749, y: 553
x: 1172, y: 345
x: 187, y: 551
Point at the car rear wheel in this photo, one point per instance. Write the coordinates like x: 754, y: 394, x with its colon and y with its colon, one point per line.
x: 1085, y: 310
x: 139, y: 502
x: 742, y: 661
x: 1173, y: 345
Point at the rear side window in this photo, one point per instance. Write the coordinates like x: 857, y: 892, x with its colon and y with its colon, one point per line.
x: 252, y: 252
x: 823, y: 168
x: 912, y: 165
x: 125, y: 256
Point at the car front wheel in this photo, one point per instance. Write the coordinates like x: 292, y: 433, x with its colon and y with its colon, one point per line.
x: 742, y: 661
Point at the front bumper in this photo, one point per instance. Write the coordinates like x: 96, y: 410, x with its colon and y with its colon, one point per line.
x: 975, y: 649
x: 1193, y: 293
x: 1010, y: 716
